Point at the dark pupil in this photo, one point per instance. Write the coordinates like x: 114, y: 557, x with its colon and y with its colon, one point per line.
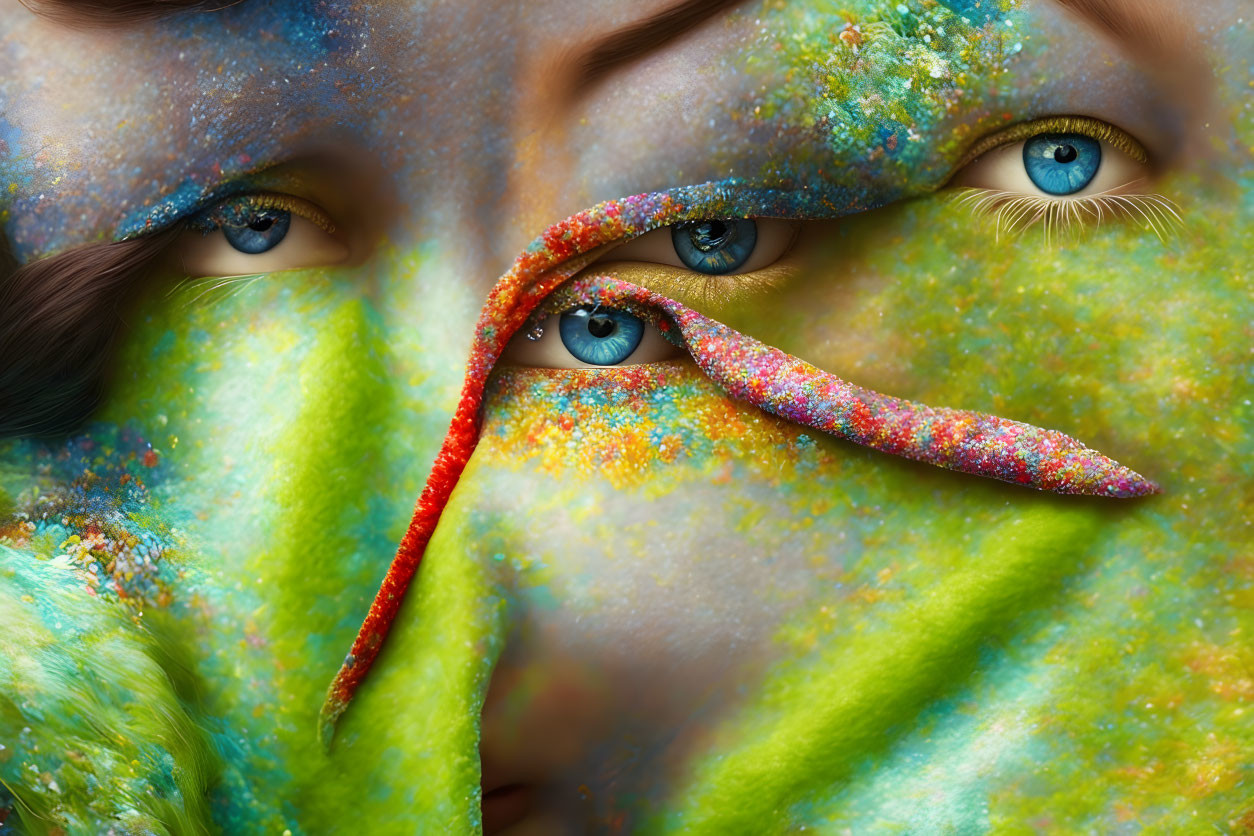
x: 1064, y: 153
x: 261, y: 224
x: 600, y: 326
x: 709, y: 235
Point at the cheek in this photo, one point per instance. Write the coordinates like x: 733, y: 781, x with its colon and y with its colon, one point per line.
x: 1098, y: 334
x: 650, y: 533
x: 229, y: 365
x: 628, y: 499
x: 662, y: 547
x: 667, y: 548
x: 622, y: 427
x: 256, y: 396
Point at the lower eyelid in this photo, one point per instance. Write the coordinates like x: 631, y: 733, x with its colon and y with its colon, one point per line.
x: 306, y: 246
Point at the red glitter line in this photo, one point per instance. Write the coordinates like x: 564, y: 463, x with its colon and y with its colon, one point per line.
x: 970, y: 442
x: 536, y: 273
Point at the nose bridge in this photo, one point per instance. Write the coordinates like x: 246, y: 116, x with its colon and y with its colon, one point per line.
x: 562, y: 251
x: 453, y: 128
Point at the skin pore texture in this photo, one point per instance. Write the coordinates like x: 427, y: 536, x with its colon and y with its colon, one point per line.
x: 648, y: 605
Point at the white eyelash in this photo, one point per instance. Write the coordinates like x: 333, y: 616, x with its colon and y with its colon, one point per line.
x: 208, y: 285
x: 1015, y: 212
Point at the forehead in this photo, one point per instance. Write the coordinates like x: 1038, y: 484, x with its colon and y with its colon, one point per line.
x: 110, y: 133
x: 172, y: 106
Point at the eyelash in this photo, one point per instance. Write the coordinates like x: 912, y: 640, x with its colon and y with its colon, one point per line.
x: 1016, y: 212
x: 563, y: 301
x: 1093, y: 128
x: 1013, y: 212
x: 235, y: 211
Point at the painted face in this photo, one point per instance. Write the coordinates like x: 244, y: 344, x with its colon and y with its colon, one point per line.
x: 863, y: 430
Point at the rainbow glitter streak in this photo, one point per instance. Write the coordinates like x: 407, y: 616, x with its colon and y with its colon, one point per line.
x: 969, y: 442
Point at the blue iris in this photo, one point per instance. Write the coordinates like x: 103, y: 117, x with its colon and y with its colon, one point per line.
x: 1062, y: 163
x: 714, y: 246
x: 600, y: 337
x: 264, y: 230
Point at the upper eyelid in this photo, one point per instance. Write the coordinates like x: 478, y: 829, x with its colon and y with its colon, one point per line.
x: 714, y: 215
x: 1085, y: 125
x: 179, y: 210
x: 211, y: 218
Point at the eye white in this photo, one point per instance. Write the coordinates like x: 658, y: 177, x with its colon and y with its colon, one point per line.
x: 1002, y: 169
x: 305, y: 245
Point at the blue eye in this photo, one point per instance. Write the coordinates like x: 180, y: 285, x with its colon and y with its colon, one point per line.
x: 263, y: 231
x: 600, y: 337
x: 1061, y: 163
x: 714, y: 246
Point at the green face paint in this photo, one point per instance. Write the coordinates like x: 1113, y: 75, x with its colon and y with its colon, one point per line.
x: 673, y: 611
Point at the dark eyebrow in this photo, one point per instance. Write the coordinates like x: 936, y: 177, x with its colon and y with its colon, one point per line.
x: 643, y: 37
x: 103, y: 14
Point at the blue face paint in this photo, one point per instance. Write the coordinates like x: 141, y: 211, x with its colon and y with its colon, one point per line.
x: 254, y: 85
x: 230, y: 104
x: 979, y: 11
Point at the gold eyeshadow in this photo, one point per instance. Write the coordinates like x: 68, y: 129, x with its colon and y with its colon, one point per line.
x: 710, y: 294
x: 1084, y: 125
x: 289, y: 203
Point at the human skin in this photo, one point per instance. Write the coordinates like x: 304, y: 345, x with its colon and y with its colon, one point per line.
x: 646, y: 600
